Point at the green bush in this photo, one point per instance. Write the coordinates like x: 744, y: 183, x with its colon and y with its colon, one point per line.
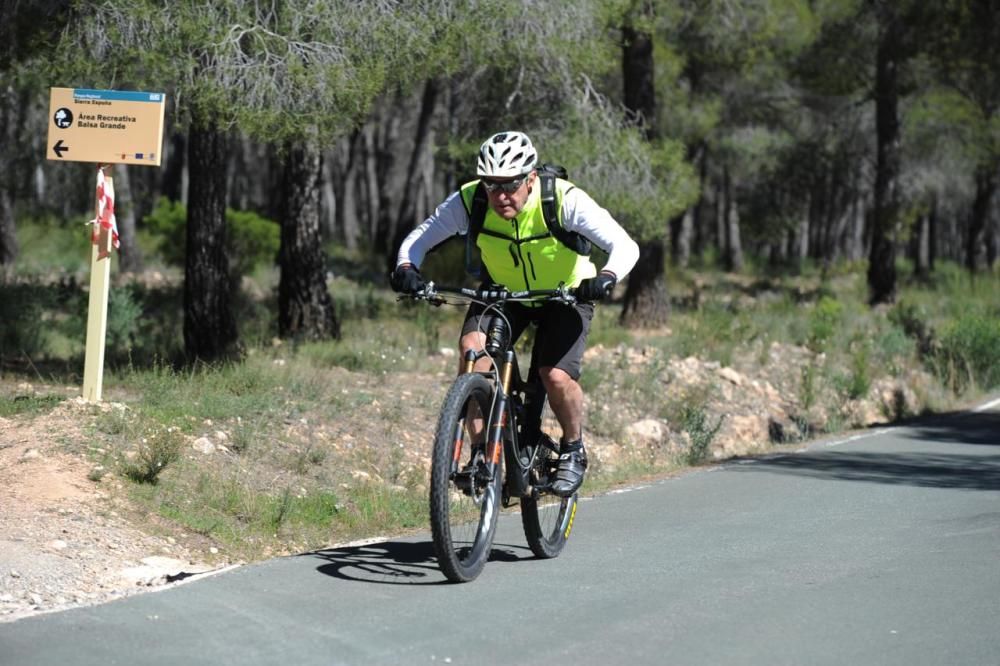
x: 823, y: 323
x: 859, y: 381
x: 22, y: 309
x: 252, y: 241
x: 166, y: 225
x: 695, y: 423
x: 124, y: 313
x: 913, y: 320
x: 969, y: 352
x: 157, y: 447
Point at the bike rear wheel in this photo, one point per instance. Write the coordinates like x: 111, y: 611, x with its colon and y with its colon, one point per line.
x: 464, y: 496
x: 547, y: 519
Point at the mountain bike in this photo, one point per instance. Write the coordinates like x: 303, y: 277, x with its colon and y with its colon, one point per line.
x: 489, y: 448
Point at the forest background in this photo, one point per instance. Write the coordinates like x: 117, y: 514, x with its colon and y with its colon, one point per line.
x: 836, y: 161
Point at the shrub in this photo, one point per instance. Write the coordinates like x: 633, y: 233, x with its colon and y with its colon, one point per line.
x: 860, y: 380
x: 913, y: 321
x: 695, y: 423
x: 124, y: 314
x: 969, y: 352
x: 823, y: 323
x: 24, y: 331
x: 807, y: 388
x: 252, y: 241
x: 156, y: 449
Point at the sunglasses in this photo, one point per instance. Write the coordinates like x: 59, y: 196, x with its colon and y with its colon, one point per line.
x: 507, y: 186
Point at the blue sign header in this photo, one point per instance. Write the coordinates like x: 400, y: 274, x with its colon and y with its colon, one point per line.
x: 118, y: 95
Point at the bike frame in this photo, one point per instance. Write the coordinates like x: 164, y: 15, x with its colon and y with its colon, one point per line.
x: 519, y: 456
x: 503, y: 437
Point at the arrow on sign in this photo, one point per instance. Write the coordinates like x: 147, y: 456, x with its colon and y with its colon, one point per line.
x: 59, y: 148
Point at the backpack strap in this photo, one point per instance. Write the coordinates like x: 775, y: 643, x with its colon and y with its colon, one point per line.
x: 477, y: 215
x: 550, y: 210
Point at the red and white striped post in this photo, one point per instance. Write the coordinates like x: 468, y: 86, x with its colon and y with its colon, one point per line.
x: 104, y: 236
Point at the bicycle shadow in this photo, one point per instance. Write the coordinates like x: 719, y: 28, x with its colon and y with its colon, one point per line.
x: 397, y: 562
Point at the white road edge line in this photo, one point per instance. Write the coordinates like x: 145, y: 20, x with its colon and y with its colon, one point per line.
x: 989, y: 405
x: 863, y: 435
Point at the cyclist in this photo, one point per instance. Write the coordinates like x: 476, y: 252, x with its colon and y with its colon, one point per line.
x: 519, y: 252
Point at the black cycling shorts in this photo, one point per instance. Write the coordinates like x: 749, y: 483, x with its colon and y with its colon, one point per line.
x: 561, y: 336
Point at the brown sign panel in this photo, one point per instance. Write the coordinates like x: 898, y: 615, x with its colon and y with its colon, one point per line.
x: 105, y: 126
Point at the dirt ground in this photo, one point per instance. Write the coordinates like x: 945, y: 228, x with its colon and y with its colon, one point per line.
x: 64, y: 540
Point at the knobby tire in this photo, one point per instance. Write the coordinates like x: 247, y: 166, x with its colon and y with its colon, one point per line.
x: 547, y: 520
x: 463, y: 518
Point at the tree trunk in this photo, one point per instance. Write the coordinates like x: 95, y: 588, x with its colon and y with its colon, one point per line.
x: 647, y: 304
x: 700, y: 222
x: 8, y: 237
x: 681, y: 229
x: 885, y: 218
x: 130, y: 256
x: 921, y: 247
x: 305, y: 309
x: 932, y: 234
x: 346, y: 190
x: 371, y: 184
x: 646, y: 301
x: 389, y: 175
x: 986, y: 187
x: 174, y: 185
x: 327, y: 205
x: 409, y: 202
x: 682, y: 226
x: 209, y: 325
x: 732, y: 245
x: 637, y: 65
x: 992, y: 241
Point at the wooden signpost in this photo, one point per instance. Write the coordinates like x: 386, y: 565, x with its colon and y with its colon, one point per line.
x: 105, y: 127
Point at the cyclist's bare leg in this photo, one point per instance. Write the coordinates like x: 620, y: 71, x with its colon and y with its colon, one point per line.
x: 566, y: 400
x: 475, y: 341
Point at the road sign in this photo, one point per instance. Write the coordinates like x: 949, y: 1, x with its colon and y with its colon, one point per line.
x: 105, y: 126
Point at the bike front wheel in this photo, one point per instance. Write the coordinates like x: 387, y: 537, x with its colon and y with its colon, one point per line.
x: 464, y: 493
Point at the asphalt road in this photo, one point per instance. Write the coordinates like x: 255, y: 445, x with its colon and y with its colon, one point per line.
x: 882, y: 548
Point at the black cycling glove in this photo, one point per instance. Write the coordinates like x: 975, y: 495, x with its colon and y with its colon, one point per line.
x: 596, y: 288
x: 406, y: 279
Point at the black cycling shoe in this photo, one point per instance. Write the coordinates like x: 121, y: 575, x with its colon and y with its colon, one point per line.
x: 571, y: 469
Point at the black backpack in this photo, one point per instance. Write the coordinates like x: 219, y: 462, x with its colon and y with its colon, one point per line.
x: 547, y: 174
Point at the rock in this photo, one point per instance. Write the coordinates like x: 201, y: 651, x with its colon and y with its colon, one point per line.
x: 732, y: 376
x: 203, y: 445
x: 57, y: 544
x: 646, y: 432
x: 740, y: 434
x: 155, y: 570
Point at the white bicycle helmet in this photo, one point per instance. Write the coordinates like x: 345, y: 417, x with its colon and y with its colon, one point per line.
x: 506, y: 155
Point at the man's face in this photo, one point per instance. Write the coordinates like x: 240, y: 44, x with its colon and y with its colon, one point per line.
x: 507, y: 204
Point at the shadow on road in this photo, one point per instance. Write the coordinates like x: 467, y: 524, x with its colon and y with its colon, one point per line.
x: 397, y: 562
x: 914, y: 469
x: 941, y: 469
x: 960, y: 428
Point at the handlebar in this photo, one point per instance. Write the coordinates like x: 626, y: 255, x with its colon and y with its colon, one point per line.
x: 436, y: 295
